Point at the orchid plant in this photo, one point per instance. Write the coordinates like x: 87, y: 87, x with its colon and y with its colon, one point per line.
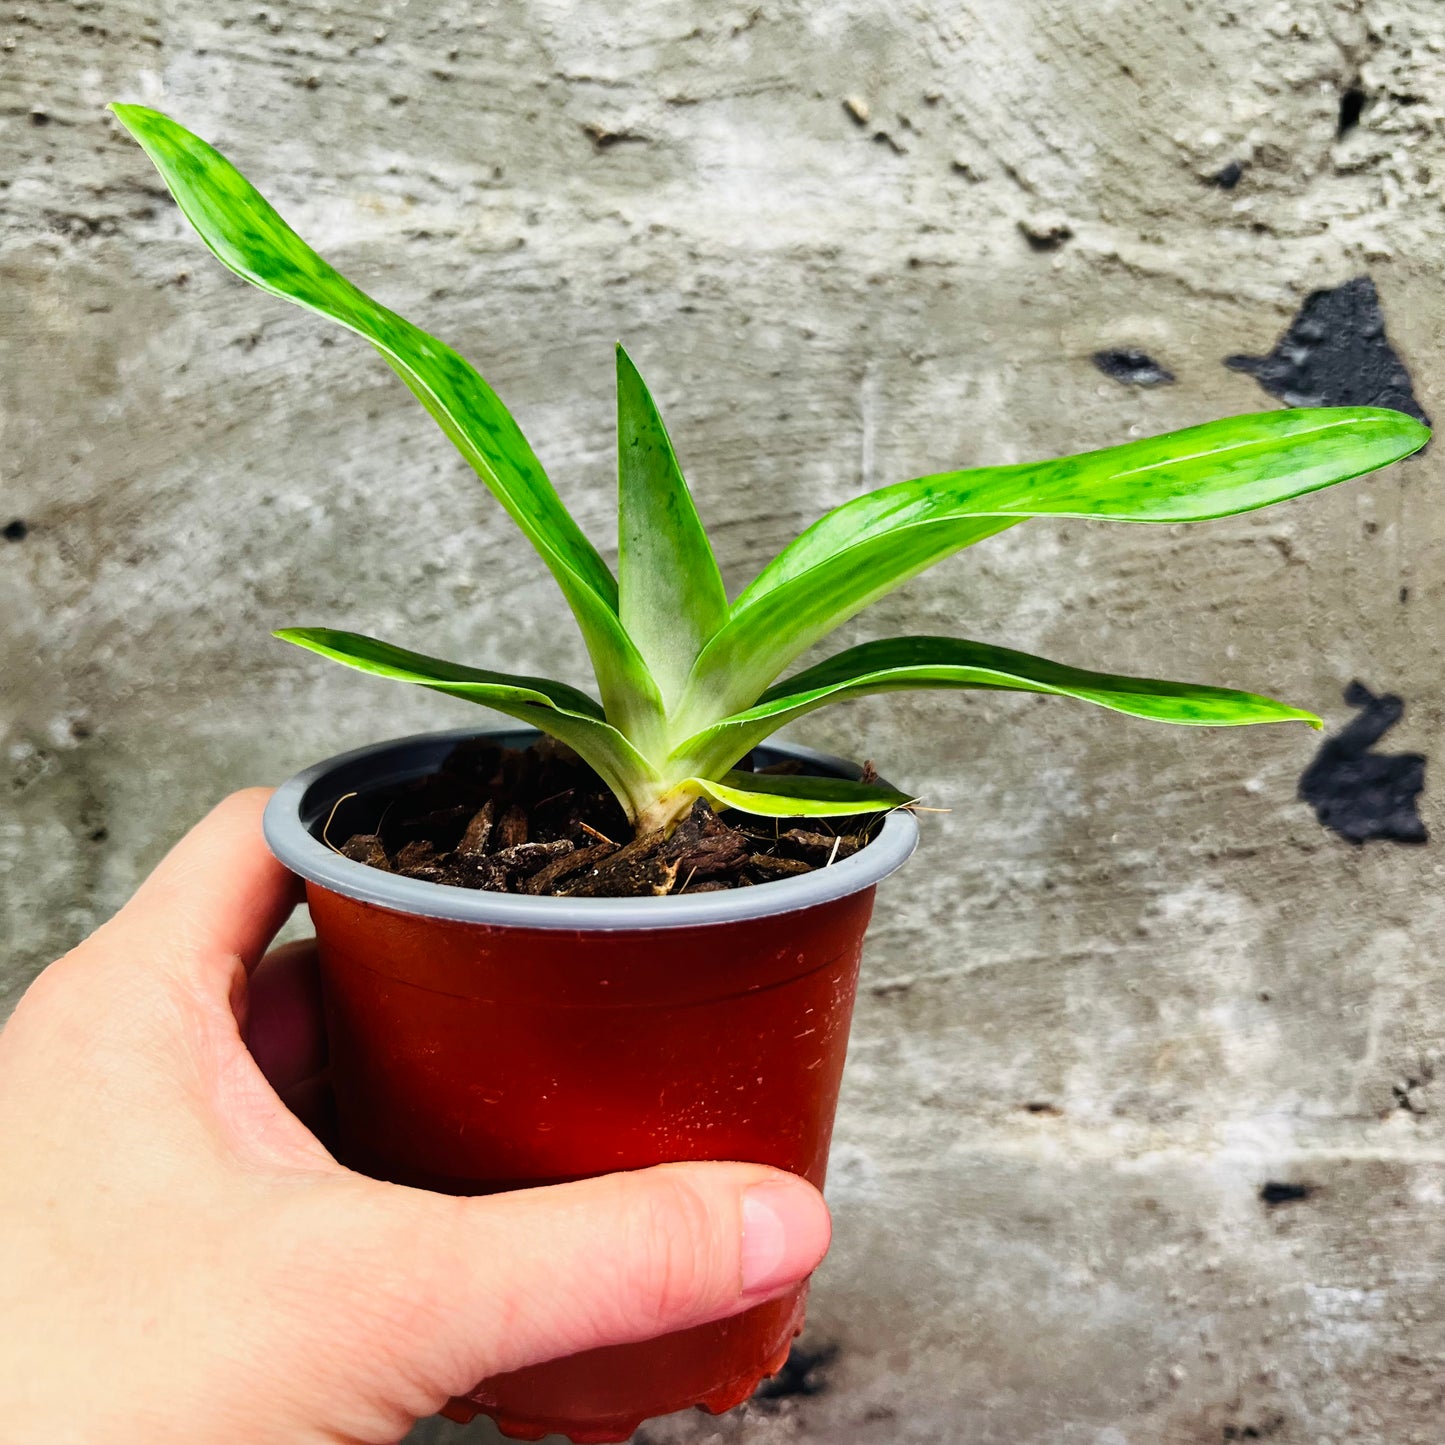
x: 687, y: 680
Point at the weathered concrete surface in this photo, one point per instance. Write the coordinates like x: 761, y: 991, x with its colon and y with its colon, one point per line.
x: 1130, y: 981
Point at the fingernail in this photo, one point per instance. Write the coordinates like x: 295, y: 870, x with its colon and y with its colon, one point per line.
x: 786, y: 1229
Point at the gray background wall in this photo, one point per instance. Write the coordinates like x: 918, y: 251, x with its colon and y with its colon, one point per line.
x: 1129, y: 981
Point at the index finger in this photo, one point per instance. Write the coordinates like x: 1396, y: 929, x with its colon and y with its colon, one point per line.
x: 216, y: 897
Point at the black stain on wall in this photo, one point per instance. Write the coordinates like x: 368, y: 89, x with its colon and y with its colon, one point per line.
x: 1360, y: 794
x: 1131, y: 367
x: 1352, y: 107
x: 1264, y: 1427
x: 16, y: 531
x: 1227, y: 177
x: 804, y: 1373
x: 1274, y: 1193
x: 1336, y: 353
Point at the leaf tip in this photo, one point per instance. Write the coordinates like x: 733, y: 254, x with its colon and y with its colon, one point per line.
x: 1298, y: 714
x: 1410, y: 431
x: 132, y: 116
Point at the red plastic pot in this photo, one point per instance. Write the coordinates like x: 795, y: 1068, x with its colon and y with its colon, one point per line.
x: 483, y: 1042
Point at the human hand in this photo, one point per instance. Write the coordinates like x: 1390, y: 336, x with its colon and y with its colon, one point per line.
x: 182, y: 1260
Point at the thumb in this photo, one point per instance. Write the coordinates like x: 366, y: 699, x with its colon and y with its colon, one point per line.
x: 514, y: 1279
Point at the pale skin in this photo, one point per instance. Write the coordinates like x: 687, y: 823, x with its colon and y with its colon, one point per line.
x: 181, y: 1260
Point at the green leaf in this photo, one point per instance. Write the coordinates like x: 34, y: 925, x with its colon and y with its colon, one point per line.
x: 671, y: 596
x: 552, y: 707
x: 867, y: 547
x: 246, y: 235
x: 903, y: 664
x: 1236, y: 464
x: 795, y: 797
x: 384, y: 659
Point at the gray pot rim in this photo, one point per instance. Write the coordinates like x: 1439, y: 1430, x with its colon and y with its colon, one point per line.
x: 303, y: 802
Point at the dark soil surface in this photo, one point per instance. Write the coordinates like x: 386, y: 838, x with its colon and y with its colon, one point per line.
x: 540, y: 821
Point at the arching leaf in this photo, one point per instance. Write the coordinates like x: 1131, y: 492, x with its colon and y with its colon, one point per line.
x: 903, y: 664
x: 552, y: 707
x: 245, y: 233
x: 867, y: 547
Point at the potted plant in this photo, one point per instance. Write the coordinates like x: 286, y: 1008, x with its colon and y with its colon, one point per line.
x: 637, y: 940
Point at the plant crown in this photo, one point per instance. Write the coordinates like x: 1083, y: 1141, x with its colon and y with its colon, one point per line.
x: 688, y: 681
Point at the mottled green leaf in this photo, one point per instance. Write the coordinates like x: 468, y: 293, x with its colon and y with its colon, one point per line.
x: 552, y: 707
x: 867, y: 547
x: 903, y: 664
x: 795, y: 797
x: 246, y: 234
x: 671, y: 596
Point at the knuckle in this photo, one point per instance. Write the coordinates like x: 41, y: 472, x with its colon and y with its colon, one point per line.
x: 684, y: 1253
x: 54, y: 994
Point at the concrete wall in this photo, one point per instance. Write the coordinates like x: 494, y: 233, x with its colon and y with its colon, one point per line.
x: 1130, y: 983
